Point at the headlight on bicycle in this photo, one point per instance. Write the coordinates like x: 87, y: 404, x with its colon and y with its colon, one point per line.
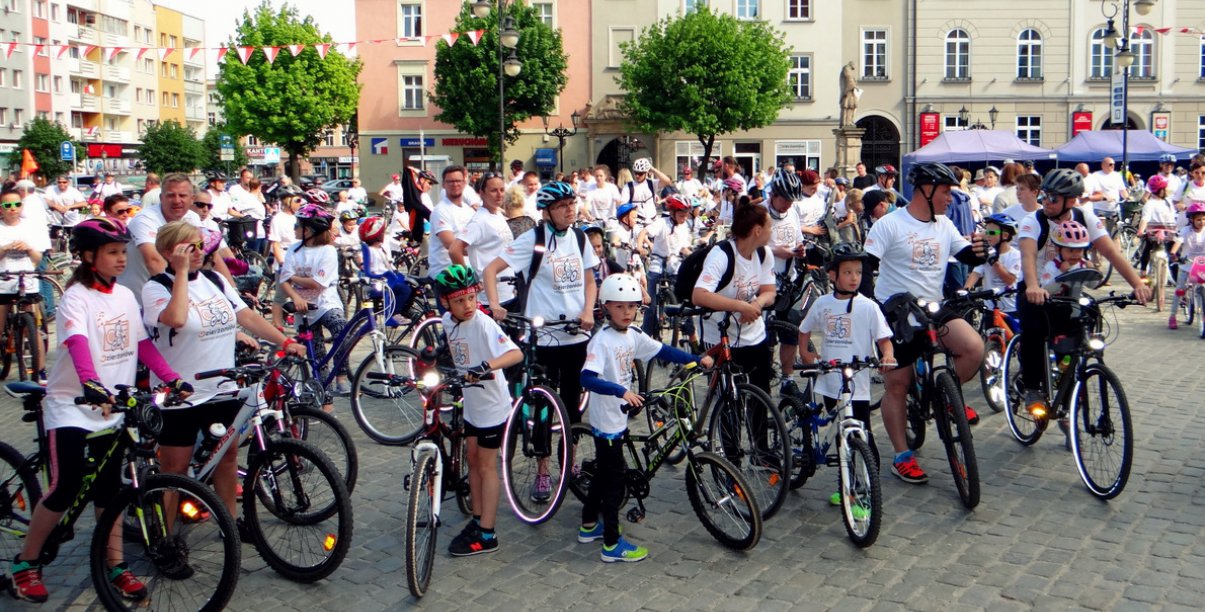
x: 847, y: 372
x: 1085, y: 301
x: 430, y: 380
x: 537, y: 322
x: 1096, y: 342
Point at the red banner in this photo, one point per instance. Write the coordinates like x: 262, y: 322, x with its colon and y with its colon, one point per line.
x: 1081, y: 122
x: 930, y: 127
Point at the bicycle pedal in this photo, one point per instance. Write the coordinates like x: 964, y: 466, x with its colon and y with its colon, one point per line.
x: 406, y: 482
x: 635, y: 515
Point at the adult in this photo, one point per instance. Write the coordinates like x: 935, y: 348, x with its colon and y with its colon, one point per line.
x: 985, y: 199
x: 449, y: 216
x: 485, y: 237
x: 885, y: 177
x: 153, y: 188
x: 810, y: 206
x: 117, y: 207
x: 517, y: 175
x: 64, y: 199
x: 242, y: 187
x: 35, y: 214
x: 416, y: 206
x: 357, y: 193
x: 642, y: 190
x: 216, y: 188
x: 672, y: 241
x: 604, y: 198
x: 862, y: 180
x: 109, y: 187
x: 1028, y: 188
x: 249, y: 205
x: 962, y: 215
x: 786, y: 232
x: 911, y: 247
x: 1108, y: 191
x: 531, y: 186
x: 392, y: 191
x: 1008, y: 182
x: 689, y: 185
x: 516, y: 217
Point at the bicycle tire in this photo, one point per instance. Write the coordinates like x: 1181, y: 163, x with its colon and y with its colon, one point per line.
x: 20, y: 492
x: 327, y: 434
x: 860, y: 486
x: 422, y: 524
x: 799, y: 433
x: 1095, y: 433
x: 1190, y: 307
x: 714, y: 485
x: 427, y: 336
x: 27, y: 340
x: 1160, y: 281
x: 209, y: 547
x: 991, y: 370
x: 464, y: 495
x: 320, y: 506
x: 6, y: 356
x: 955, y: 433
x: 582, y: 474
x: 917, y: 421
x: 536, y: 429
x: 50, y: 307
x: 1025, y: 428
x: 389, y: 414
x: 767, y: 469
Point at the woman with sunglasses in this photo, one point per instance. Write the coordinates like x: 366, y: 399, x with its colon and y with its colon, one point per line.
x: 117, y: 206
x: 18, y: 255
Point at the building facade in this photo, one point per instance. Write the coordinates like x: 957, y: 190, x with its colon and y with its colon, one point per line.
x: 16, y: 72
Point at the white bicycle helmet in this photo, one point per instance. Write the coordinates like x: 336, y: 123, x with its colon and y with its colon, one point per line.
x: 643, y: 164
x: 620, y: 288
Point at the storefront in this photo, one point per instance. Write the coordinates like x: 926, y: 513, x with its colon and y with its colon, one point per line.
x: 265, y: 159
x: 474, y: 152
x: 101, y: 158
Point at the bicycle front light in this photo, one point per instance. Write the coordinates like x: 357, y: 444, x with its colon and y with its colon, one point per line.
x: 1085, y: 301
x: 1096, y: 342
x: 537, y: 322
x: 933, y: 307
x: 431, y: 379
x: 847, y: 372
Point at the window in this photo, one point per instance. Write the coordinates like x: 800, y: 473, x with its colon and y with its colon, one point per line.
x: 1029, y: 55
x: 73, y: 16
x: 148, y: 65
x: 77, y: 120
x: 800, y: 77
x: 54, y: 12
x: 19, y: 116
x: 952, y: 123
x: 252, y: 141
x: 1143, y: 46
x: 175, y: 73
x: 162, y: 39
x: 958, y: 55
x: 213, y: 119
x: 138, y: 33
x: 1202, y: 71
x: 748, y: 9
x: 39, y: 9
x: 690, y: 152
x: 690, y: 6
x: 544, y: 10
x: 412, y: 92
x: 3, y: 115
x: 1200, y: 132
x: 1100, y: 56
x: 17, y: 79
x: 805, y: 154
x: 3, y: 76
x: 799, y: 10
x: 38, y: 40
x: 874, y: 54
x: 141, y: 127
x: 174, y: 42
x: 619, y: 36
x: 110, y: 91
x: 150, y: 96
x: 76, y: 86
x: 410, y: 20
x: 73, y: 52
x: 138, y: 95
x: 328, y: 139
x: 58, y: 84
x: 42, y: 83
x: 44, y: 115
x: 175, y: 100
x: 1029, y: 129
x: 113, y: 25
x: 12, y: 6
x: 58, y: 118
x: 165, y: 99
x: 163, y: 69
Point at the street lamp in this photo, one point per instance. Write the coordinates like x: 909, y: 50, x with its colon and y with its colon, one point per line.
x: 964, y: 116
x: 560, y: 133
x: 508, y: 38
x: 1123, y: 60
x: 992, y: 114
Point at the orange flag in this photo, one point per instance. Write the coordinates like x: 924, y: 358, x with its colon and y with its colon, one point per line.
x: 28, y: 164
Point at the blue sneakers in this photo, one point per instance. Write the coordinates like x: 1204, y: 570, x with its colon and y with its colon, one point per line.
x: 585, y: 536
x: 623, y: 551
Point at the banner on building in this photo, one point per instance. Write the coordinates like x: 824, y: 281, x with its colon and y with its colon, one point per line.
x: 930, y: 127
x: 1081, y: 121
x: 1161, y: 125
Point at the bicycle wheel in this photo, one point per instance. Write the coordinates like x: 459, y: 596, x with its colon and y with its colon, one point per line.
x: 799, y: 432
x: 1159, y: 281
x: 6, y: 355
x: 27, y: 343
x: 534, y: 452
x: 991, y: 370
x: 582, y: 474
x: 951, y: 419
x: 917, y: 421
x: 390, y: 414
x: 464, y: 495
x: 297, y: 510
x: 1024, y: 426
x: 422, y: 524
x: 861, y: 495
x: 19, y: 493
x: 749, y: 431
x: 52, y: 296
x: 327, y: 434
x: 1102, y: 439
x: 185, y: 565
x: 1190, y: 306
x: 427, y: 336
x: 720, y: 498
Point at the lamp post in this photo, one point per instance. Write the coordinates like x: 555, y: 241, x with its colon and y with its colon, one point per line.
x: 964, y: 117
x: 1124, y: 59
x: 508, y: 38
x: 560, y: 133
x: 993, y: 114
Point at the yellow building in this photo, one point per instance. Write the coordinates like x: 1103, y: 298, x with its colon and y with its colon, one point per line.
x: 169, y: 30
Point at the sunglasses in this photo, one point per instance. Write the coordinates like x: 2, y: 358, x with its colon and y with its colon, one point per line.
x: 202, y: 205
x: 993, y: 232
x: 123, y: 211
x: 198, y: 245
x: 10, y: 205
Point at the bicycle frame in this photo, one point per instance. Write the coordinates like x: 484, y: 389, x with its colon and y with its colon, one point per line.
x: 250, y: 418
x: 840, y: 420
x: 362, y: 324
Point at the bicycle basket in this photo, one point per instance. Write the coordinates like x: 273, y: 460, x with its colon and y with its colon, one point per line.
x: 239, y: 231
x: 1129, y: 209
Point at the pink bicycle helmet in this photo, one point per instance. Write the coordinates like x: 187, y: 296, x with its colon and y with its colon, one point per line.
x: 91, y: 234
x: 1072, y: 234
x: 1196, y: 208
x: 317, y: 196
x: 1157, y: 182
x: 211, y: 239
x: 734, y: 184
x: 315, y: 217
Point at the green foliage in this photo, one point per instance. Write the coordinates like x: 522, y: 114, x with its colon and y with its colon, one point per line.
x: 295, y: 100
x: 705, y: 74
x: 171, y: 147
x: 211, y: 144
x: 466, y: 75
x: 43, y: 138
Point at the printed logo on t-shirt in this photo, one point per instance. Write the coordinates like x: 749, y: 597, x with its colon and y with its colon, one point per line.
x: 460, y: 351
x: 784, y: 233
x: 746, y: 289
x: 624, y: 357
x: 214, y: 312
x: 925, y: 253
x: 837, y: 328
x: 566, y: 273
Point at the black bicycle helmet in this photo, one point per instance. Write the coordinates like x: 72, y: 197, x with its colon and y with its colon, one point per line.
x: 846, y: 251
x: 787, y: 185
x: 932, y: 173
x: 1063, y: 182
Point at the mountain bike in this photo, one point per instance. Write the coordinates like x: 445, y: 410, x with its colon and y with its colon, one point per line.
x: 185, y: 563
x: 717, y: 490
x: 1193, y: 294
x: 26, y: 334
x: 997, y: 328
x: 314, y: 375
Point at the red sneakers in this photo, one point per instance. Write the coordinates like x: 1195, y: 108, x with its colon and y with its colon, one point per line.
x: 129, y: 586
x: 909, y: 471
x: 27, y: 581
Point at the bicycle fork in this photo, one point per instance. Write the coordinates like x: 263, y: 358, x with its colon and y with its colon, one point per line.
x: 436, y: 481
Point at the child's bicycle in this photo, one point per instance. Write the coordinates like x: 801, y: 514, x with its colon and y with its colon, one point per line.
x: 717, y: 490
x: 1193, y: 294
x: 1159, y: 265
x: 185, y: 563
x: 846, y: 445
x: 997, y: 328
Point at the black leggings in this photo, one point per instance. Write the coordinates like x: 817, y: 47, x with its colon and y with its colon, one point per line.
x: 606, y: 488
x: 1038, y: 324
x: 757, y: 362
x: 68, y: 465
x: 563, y: 367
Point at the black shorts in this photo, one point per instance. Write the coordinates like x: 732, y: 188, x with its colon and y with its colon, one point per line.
x: 906, y: 353
x: 31, y: 297
x: 181, y: 425
x: 487, y: 437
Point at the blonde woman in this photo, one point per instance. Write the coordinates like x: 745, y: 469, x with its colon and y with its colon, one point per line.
x: 513, y: 207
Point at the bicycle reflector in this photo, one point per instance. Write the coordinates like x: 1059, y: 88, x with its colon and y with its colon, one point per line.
x: 189, y: 509
x: 328, y: 544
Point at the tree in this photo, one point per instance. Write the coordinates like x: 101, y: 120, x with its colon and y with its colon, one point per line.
x: 705, y: 74
x: 294, y: 100
x: 211, y: 143
x: 43, y: 139
x: 171, y: 147
x: 466, y: 75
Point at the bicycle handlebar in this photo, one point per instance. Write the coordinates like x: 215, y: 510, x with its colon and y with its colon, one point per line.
x: 835, y: 365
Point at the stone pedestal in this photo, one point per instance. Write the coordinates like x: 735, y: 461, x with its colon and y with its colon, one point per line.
x: 849, y: 149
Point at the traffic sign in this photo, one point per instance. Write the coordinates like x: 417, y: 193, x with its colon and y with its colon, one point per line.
x: 226, y: 154
x: 67, y: 151
x: 1117, y: 97
x: 225, y: 140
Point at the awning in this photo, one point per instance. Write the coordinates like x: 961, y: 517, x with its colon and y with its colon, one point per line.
x: 546, y: 157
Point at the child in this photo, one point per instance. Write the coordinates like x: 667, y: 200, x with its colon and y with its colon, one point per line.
x: 376, y: 263
x: 17, y: 255
x: 348, y: 237
x: 282, y: 234
x: 1006, y: 270
x: 477, y: 346
x: 852, y: 325
x: 608, y: 375
x: 625, y: 235
x: 1071, y: 238
x: 1158, y: 221
x: 100, y: 327
x: 1189, y: 245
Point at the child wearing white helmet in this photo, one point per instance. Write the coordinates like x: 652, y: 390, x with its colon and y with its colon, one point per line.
x: 608, y: 375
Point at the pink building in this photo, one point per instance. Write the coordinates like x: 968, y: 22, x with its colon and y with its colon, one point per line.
x: 396, y: 78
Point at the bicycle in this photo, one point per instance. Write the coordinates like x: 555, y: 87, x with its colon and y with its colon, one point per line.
x: 409, y: 258
x: 186, y: 563
x: 25, y: 331
x: 718, y: 492
x: 1100, y: 432
x: 314, y: 380
x: 1158, y: 239
x: 997, y: 328
x: 1125, y: 233
x: 1193, y: 293
x: 846, y: 445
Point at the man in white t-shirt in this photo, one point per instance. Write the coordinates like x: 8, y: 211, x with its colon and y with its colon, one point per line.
x: 35, y: 215
x: 642, y: 191
x: 689, y: 185
x: 151, y: 196
x: 109, y: 187
x: 531, y: 185
x: 357, y: 193
x: 451, y: 214
x: 67, y: 201
x: 911, y: 248
x: 392, y: 192
x: 243, y: 187
x: 1108, y: 190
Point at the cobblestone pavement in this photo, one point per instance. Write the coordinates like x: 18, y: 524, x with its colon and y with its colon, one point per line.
x: 1038, y: 539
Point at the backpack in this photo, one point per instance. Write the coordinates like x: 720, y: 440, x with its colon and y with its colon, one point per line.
x: 1044, y: 225
x: 692, y: 267
x: 537, y: 257
x: 631, y: 187
x: 163, y: 279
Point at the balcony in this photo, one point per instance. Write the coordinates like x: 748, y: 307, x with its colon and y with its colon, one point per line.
x: 195, y: 113
x: 89, y: 70
x: 117, y: 73
x: 117, y: 106
x: 195, y: 88
x: 114, y: 40
x: 89, y: 103
x: 116, y: 136
x: 86, y: 35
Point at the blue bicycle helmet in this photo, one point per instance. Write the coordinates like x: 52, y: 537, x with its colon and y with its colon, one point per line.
x: 624, y: 209
x: 552, y: 193
x: 1004, y: 221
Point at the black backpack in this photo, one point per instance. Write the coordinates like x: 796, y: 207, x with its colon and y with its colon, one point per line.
x: 692, y: 267
x: 537, y: 257
x: 1044, y: 224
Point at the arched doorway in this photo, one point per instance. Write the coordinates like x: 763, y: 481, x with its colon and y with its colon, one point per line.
x: 1109, y: 125
x: 619, y: 153
x: 881, y: 142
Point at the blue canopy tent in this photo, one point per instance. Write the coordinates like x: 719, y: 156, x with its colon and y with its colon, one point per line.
x: 972, y: 146
x: 1091, y: 146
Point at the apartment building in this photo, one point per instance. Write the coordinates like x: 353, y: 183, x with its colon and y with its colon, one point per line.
x: 193, y: 71
x: 17, y: 104
x: 169, y: 31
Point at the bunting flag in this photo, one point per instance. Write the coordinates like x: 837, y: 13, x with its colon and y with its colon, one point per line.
x: 164, y: 52
x: 450, y: 38
x: 141, y: 52
x: 296, y: 49
x: 192, y: 53
x: 244, y: 53
x: 222, y: 51
x: 37, y: 49
x: 474, y: 35
x: 63, y: 49
x: 87, y: 50
x: 323, y: 48
x: 9, y: 48
x: 111, y: 52
x: 270, y: 53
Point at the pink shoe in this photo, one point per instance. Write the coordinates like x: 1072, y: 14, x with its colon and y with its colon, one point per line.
x: 1171, y: 323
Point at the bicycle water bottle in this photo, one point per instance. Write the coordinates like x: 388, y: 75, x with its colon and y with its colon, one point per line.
x: 212, y: 436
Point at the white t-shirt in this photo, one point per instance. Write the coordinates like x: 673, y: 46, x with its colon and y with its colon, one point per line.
x: 320, y: 263
x: 346, y: 239
x: 107, y: 189
x: 623, y: 240
x: 68, y: 197
x: 602, y: 201
x: 1114, y: 188
x: 392, y: 192
x: 379, y: 261
x: 471, y: 342
x: 668, y: 242
x: 811, y: 211
x: 221, y: 204
x: 36, y: 219
x: 638, y: 193
x: 1158, y: 212
x: 447, y: 217
x: 144, y: 227
x: 151, y: 198
x: 283, y: 229
x: 16, y: 261
x: 1193, y: 245
x: 912, y: 254
x: 112, y: 325
x: 846, y: 335
x: 1030, y: 228
x: 747, y: 278
x: 1017, y: 212
x: 986, y: 198
x: 690, y: 187
x: 610, y: 355
x: 785, y: 233
x: 1174, y: 186
x: 487, y: 235
x: 248, y: 204
x: 1011, y: 260
x: 206, y: 342
x: 559, y: 286
x: 357, y: 195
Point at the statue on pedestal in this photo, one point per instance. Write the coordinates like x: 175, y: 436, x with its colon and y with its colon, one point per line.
x: 849, y: 95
